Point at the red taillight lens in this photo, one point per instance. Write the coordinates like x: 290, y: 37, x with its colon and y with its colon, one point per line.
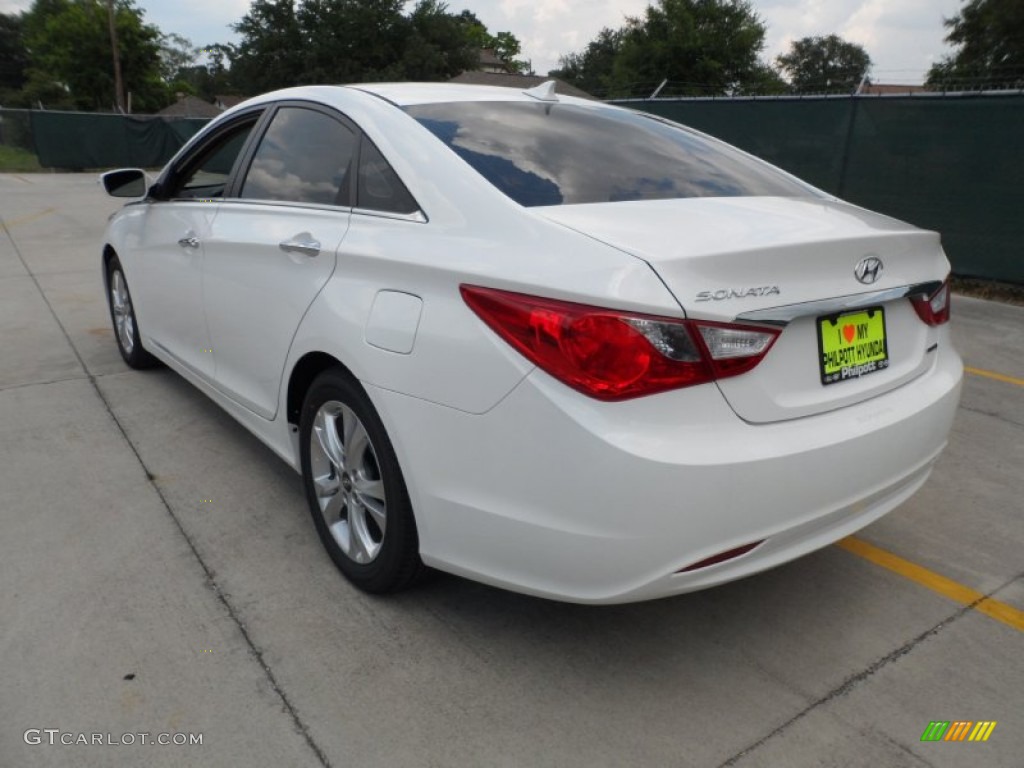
x: 613, y: 355
x: 934, y: 309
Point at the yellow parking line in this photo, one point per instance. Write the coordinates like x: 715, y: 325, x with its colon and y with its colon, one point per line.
x: 30, y: 217
x: 948, y: 588
x: 993, y: 375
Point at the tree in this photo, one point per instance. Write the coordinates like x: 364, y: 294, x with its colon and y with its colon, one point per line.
x: 439, y: 45
x: 700, y: 46
x: 285, y: 42
x: 13, y: 54
x: 505, y: 45
x: 989, y: 35
x: 591, y: 69
x: 824, y: 65
x: 270, y: 53
x: 70, y: 52
x: 176, y: 54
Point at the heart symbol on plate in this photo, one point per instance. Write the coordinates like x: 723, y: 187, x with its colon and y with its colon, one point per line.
x: 848, y: 333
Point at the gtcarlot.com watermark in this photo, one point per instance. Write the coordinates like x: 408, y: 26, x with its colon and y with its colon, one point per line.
x: 55, y: 736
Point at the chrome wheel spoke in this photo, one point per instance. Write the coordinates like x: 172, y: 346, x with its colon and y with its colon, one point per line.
x: 333, y: 507
x: 325, y: 428
x: 326, y: 485
x: 356, y: 442
x: 361, y: 546
x: 370, y: 494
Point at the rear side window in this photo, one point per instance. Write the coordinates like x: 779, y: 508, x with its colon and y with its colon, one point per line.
x: 304, y: 157
x: 564, y: 154
x: 379, y: 188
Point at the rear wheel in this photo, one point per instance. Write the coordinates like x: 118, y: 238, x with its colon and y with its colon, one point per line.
x: 354, y: 487
x: 122, y: 314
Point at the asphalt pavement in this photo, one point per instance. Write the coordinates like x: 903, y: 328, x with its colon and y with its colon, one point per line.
x: 160, y: 576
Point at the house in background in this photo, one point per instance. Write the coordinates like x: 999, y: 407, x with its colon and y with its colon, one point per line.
x: 190, y: 106
x: 494, y: 71
x: 228, y: 101
x: 491, y: 62
x: 522, y: 82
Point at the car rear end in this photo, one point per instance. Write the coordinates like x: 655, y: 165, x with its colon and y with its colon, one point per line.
x: 804, y: 388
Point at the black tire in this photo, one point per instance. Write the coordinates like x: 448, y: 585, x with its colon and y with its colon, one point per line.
x: 378, y: 560
x: 126, y: 334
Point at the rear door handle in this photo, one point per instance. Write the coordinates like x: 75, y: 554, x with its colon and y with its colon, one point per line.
x: 189, y: 241
x: 303, y: 243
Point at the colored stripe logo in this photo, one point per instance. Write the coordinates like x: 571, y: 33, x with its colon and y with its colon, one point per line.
x: 958, y: 730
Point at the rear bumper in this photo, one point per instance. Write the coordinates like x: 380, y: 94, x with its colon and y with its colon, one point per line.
x: 556, y: 495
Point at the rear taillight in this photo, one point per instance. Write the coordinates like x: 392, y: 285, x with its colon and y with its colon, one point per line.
x: 613, y: 355
x: 934, y: 309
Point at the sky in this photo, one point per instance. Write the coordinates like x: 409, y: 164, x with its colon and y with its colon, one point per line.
x: 903, y: 37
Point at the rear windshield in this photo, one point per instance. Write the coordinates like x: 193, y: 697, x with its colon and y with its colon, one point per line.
x: 564, y: 154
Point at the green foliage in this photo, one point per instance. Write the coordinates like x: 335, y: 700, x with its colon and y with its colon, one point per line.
x: 13, y: 54
x: 17, y: 160
x: 69, y: 48
x: 591, y: 69
x: 209, y: 79
x: 824, y: 65
x: 989, y: 36
x: 288, y: 43
x: 703, y: 47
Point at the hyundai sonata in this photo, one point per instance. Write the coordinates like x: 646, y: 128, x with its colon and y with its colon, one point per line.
x: 546, y: 343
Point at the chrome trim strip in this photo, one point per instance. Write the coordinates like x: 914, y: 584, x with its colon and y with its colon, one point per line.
x: 418, y: 217
x: 785, y: 314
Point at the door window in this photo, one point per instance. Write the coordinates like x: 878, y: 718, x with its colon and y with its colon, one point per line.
x: 206, y: 174
x: 304, y: 157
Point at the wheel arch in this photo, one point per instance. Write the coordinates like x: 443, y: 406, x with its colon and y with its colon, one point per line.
x: 302, y: 375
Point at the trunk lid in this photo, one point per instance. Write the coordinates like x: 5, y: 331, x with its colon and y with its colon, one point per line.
x: 762, y: 259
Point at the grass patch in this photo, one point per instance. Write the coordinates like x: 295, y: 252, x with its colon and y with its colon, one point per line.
x: 17, y: 160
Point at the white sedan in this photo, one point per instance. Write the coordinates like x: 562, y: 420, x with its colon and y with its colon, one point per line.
x: 545, y: 343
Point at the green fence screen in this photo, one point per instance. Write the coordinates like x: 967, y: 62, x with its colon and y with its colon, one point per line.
x: 954, y: 164
x: 79, y: 140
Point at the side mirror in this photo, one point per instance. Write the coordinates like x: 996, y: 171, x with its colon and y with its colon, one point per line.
x: 127, y: 182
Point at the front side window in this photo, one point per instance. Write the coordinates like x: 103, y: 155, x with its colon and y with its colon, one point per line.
x: 206, y: 175
x: 304, y: 157
x: 564, y: 154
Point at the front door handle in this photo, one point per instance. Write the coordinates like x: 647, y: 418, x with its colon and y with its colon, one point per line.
x: 303, y: 243
x: 189, y: 241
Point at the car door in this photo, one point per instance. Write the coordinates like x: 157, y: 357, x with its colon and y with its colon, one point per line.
x: 168, y: 263
x: 272, y: 247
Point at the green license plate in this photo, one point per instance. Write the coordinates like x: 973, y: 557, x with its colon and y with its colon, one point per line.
x: 852, y: 345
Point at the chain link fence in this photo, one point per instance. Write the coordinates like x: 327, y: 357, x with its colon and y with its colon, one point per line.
x: 78, y: 141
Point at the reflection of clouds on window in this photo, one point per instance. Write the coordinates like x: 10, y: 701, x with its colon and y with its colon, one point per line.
x: 552, y: 154
x: 304, y: 157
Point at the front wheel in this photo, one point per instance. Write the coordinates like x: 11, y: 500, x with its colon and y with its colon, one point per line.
x: 122, y: 315
x: 354, y: 487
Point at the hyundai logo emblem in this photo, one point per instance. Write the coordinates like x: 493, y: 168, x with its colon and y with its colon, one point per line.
x: 869, y: 270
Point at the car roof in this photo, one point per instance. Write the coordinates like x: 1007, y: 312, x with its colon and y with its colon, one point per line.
x: 408, y: 94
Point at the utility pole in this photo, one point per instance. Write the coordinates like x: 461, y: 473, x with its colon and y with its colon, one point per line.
x: 118, y: 84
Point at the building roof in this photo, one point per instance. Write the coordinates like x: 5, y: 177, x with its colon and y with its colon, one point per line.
x: 523, y: 82
x: 227, y: 101
x: 190, y: 106
x: 490, y: 59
